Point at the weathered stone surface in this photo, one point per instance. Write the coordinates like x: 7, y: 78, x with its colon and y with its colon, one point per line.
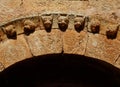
x: 24, y: 7
x: 74, y: 42
x: 12, y: 51
x: 1, y: 67
x: 2, y: 35
x: 117, y: 62
x: 118, y: 34
x: 42, y: 42
x: 100, y: 47
x: 104, y: 19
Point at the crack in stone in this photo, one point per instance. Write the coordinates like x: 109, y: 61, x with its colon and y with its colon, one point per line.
x: 86, y: 43
x: 28, y: 46
x: 117, y: 59
x: 62, y: 35
x: 86, y: 25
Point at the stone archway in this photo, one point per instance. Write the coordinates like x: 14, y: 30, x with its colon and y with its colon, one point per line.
x: 59, y: 33
x: 92, y: 30
x: 88, y: 28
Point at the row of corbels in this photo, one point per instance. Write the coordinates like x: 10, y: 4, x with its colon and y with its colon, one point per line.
x: 63, y: 20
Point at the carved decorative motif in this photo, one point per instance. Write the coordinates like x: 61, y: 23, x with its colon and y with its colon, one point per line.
x: 64, y: 21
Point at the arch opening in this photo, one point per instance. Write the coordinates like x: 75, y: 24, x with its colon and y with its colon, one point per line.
x: 60, y: 70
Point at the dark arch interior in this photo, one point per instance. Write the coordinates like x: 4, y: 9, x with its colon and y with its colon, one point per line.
x: 60, y: 70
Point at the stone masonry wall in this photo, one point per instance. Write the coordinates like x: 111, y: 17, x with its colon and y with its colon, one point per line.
x: 37, y: 27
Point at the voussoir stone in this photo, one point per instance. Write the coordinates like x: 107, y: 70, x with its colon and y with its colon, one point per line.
x: 42, y: 42
x: 14, y: 50
x: 74, y: 42
x: 100, y: 47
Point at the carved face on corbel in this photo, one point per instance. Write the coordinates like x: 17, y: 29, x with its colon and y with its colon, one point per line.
x: 47, y: 21
x: 111, y: 31
x: 79, y: 22
x: 10, y: 31
x: 63, y: 22
x: 95, y: 26
x: 29, y: 26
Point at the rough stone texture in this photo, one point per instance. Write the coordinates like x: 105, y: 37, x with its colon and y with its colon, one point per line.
x: 100, y: 47
x: 12, y: 51
x: 117, y: 62
x: 11, y: 9
x: 74, y: 42
x: 42, y: 42
x: 1, y: 67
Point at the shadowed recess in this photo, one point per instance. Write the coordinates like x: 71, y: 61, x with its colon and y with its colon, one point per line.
x: 60, y: 70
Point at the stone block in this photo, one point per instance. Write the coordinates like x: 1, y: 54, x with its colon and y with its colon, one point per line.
x: 74, y: 42
x: 100, y: 47
x: 42, y: 42
x: 14, y: 50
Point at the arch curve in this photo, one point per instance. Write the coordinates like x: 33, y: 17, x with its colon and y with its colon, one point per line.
x: 29, y: 36
x: 61, y: 70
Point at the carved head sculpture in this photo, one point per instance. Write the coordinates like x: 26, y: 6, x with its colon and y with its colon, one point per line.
x: 47, y: 21
x: 111, y: 31
x: 95, y: 26
x: 29, y: 26
x: 63, y: 22
x: 79, y: 22
x: 10, y: 31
